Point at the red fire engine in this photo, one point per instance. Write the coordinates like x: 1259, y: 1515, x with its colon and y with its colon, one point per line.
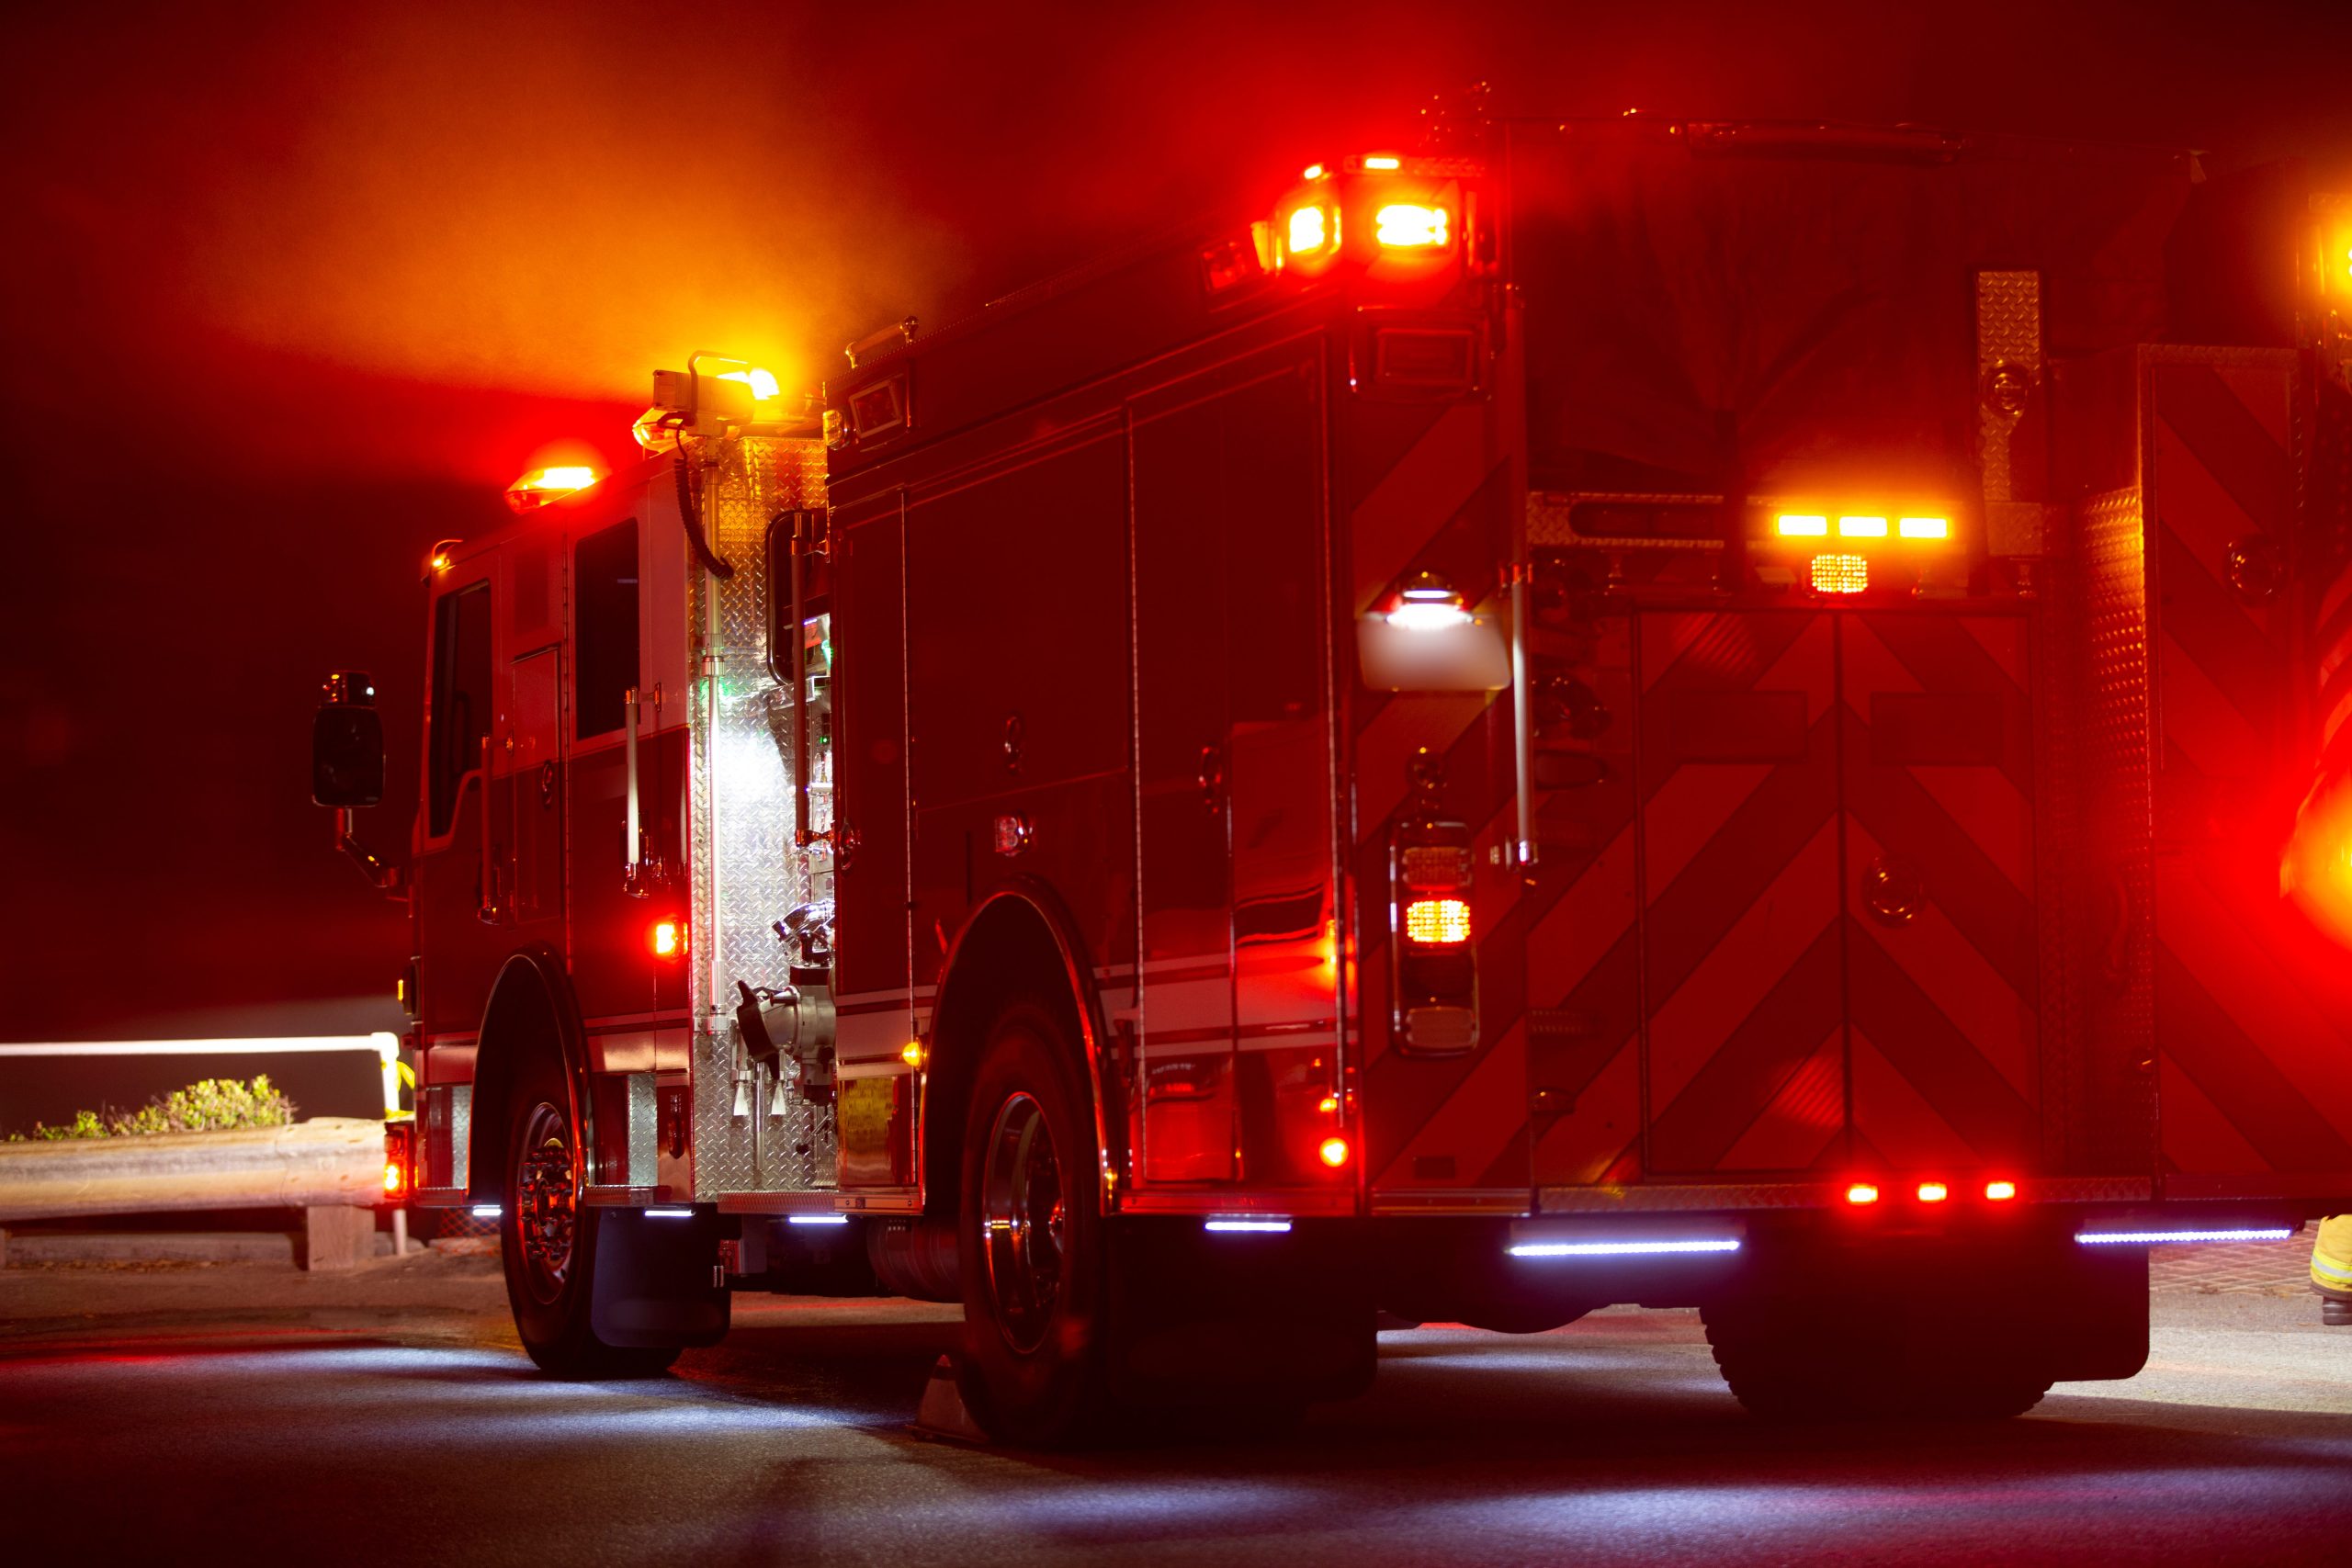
x: 1666, y: 713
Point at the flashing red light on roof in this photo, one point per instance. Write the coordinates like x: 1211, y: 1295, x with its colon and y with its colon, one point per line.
x: 2000, y: 1191
x: 1862, y: 1192
x: 1383, y: 162
x: 1311, y: 231
x: 542, y: 485
x: 1933, y: 1192
x: 1410, y: 226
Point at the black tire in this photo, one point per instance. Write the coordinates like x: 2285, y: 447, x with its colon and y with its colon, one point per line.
x: 1030, y: 1240
x: 1820, y: 1359
x: 548, y: 1239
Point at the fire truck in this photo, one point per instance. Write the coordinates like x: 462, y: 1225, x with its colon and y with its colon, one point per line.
x: 1650, y: 712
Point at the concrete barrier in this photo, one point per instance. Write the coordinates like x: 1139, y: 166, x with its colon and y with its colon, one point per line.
x: 331, y: 1167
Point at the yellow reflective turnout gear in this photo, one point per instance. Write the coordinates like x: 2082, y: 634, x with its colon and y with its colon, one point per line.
x: 2332, y: 1256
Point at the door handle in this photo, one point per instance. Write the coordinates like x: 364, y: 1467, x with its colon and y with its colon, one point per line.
x: 1212, y: 779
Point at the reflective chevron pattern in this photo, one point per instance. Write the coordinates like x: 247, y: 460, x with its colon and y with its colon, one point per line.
x: 2254, y: 1021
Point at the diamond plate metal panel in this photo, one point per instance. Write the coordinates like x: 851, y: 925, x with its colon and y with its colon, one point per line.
x: 2107, y: 1119
x: 2010, y: 369
x: 751, y: 1134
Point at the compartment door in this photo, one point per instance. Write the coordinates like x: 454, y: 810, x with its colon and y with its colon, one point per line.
x: 1944, y: 939
x: 1741, y: 961
x: 1237, y: 985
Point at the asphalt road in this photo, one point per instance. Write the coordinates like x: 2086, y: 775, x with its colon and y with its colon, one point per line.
x: 241, y: 1412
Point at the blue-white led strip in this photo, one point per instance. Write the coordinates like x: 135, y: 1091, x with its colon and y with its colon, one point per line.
x: 817, y: 1219
x: 669, y: 1213
x: 1272, y: 1225
x: 2150, y: 1238
x: 1623, y: 1248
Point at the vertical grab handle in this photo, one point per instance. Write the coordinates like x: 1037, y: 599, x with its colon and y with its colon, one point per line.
x: 637, y: 880
x: 490, y: 911
x: 804, y: 541
x: 1522, y: 718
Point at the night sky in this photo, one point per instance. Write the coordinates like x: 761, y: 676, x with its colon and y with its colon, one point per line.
x: 295, y: 290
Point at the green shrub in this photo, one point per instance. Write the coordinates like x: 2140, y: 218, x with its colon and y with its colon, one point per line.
x: 215, y: 1105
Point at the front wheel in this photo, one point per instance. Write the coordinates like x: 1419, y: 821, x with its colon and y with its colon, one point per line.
x: 548, y: 1241
x: 1030, y: 1238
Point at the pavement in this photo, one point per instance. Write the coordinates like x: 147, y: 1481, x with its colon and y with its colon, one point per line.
x: 186, y: 1412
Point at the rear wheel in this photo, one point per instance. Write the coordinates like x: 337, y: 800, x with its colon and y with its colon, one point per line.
x: 1820, y: 1359
x: 1031, y: 1236
x: 548, y: 1241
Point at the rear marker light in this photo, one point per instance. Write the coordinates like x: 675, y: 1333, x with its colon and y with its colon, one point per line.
x: 1622, y: 1249
x: 911, y: 1053
x: 1438, y: 923
x: 1861, y: 527
x: 1840, y: 574
x: 485, y: 1211
x: 816, y: 1219
x: 1333, y: 1152
x: 1924, y: 528
x: 2150, y: 1238
x: 1933, y: 1192
x: 1795, y: 526
x: 669, y: 1213
x: 1270, y: 1227
x: 1862, y: 1192
x: 2000, y: 1191
x: 1408, y: 227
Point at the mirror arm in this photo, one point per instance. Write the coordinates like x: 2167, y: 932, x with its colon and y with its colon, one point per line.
x: 381, y: 873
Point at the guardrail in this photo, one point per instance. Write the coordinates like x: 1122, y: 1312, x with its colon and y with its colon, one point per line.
x: 331, y: 1168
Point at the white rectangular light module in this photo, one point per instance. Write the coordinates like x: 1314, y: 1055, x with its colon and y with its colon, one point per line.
x: 1270, y: 1225
x: 485, y: 1211
x: 669, y: 1213
x: 1624, y: 1248
x: 817, y: 1219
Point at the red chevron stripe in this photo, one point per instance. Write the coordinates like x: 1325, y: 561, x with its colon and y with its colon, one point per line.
x: 1753, y: 1065
x: 1924, y: 1046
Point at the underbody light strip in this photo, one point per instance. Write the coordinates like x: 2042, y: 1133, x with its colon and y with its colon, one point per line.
x: 1275, y: 1227
x: 1622, y: 1249
x: 669, y: 1213
x: 817, y: 1219
x: 2144, y: 1238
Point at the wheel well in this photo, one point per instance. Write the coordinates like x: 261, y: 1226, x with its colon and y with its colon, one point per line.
x: 531, y: 1017
x: 1014, y: 946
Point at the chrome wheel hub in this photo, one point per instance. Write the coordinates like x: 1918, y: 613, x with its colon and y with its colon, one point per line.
x: 1023, y: 1217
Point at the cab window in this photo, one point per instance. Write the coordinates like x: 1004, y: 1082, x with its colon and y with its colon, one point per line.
x: 461, y: 698
x: 604, y: 631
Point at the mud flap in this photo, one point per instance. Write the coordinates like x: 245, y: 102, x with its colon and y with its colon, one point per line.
x: 655, y: 1280
x: 1198, y: 1320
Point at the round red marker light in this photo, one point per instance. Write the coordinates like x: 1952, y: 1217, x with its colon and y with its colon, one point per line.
x: 1334, y: 1152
